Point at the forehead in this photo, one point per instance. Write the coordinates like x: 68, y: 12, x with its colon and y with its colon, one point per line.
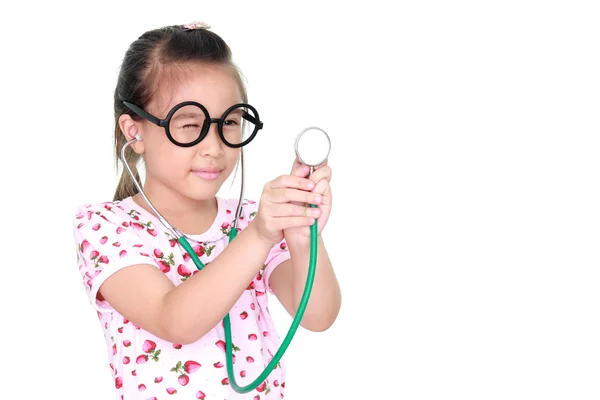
x: 213, y: 86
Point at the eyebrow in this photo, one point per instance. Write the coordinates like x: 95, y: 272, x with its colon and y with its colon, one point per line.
x: 188, y: 115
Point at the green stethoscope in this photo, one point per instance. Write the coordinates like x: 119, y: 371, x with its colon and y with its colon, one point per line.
x: 312, y: 148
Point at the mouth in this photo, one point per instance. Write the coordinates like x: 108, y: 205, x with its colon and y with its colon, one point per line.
x: 209, y: 174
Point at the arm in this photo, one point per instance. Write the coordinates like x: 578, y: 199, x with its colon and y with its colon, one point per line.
x: 288, y: 280
x: 183, y: 314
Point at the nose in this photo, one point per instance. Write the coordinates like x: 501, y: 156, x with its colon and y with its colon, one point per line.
x: 212, y: 145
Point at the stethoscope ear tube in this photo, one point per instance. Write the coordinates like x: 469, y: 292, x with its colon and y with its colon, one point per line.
x: 182, y: 240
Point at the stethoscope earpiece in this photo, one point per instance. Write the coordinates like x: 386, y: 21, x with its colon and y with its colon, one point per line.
x: 138, y: 138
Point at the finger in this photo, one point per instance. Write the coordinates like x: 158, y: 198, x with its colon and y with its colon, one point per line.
x: 322, y: 188
x: 282, y: 223
x: 292, y: 195
x: 322, y: 173
x: 299, y: 169
x: 290, y: 181
x: 293, y: 210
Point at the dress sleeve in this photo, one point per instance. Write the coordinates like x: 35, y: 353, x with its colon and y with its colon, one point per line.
x: 278, y: 254
x: 105, y: 244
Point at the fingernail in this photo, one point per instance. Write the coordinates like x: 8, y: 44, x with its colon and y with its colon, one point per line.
x: 311, y: 185
x: 317, y: 199
x: 316, y: 212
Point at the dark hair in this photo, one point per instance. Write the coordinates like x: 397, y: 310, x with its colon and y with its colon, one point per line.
x: 152, y: 56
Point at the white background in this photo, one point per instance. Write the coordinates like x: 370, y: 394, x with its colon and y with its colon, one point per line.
x: 465, y: 154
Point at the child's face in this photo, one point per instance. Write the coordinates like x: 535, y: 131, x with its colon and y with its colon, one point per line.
x: 182, y: 169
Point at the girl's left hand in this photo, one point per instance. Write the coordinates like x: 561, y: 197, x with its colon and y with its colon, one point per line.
x: 321, y: 175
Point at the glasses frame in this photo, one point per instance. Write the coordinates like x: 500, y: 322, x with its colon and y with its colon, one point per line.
x: 164, y: 123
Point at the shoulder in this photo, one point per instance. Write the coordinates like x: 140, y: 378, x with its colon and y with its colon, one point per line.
x: 112, y: 212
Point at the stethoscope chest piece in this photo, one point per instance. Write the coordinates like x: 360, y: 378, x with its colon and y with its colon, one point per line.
x: 312, y: 146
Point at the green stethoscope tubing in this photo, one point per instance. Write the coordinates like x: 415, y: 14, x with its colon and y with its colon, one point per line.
x: 312, y: 266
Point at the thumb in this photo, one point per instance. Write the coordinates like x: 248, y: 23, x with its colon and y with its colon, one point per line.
x: 299, y: 169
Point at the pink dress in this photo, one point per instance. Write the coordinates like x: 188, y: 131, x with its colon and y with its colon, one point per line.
x: 113, y: 235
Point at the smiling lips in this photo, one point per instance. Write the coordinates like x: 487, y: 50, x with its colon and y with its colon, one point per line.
x: 208, y: 174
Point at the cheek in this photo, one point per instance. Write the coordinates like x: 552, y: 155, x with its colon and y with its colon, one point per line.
x: 232, y: 156
x: 167, y: 161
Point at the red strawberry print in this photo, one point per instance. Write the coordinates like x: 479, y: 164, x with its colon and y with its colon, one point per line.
x: 283, y: 384
x: 122, y: 253
x: 171, y: 390
x: 137, y: 226
x: 80, y: 225
x: 158, y: 379
x: 220, y: 344
x: 252, y: 336
x: 283, y: 246
x: 149, y: 346
x: 225, y: 381
x: 199, y: 250
x: 120, y: 230
x: 200, y: 395
x: 259, y: 293
x: 265, y: 334
x: 191, y: 366
x: 243, y: 374
x: 139, y: 246
x: 250, y: 359
x: 183, y: 380
x: 250, y: 286
x: 257, y: 397
x: 177, y: 346
x: 134, y: 372
x: 103, y: 260
x: 84, y: 246
x: 103, y: 239
x: 218, y: 364
x: 186, y: 257
x: 126, y: 343
x: 152, y: 232
x: 119, y: 382
x: 228, y: 212
x: 96, y: 227
x: 114, y: 347
x: 172, y: 242
x: 158, y: 253
x: 276, y: 383
x: 225, y: 225
x: 117, y: 244
x: 184, y: 271
x: 244, y: 315
x: 252, y: 306
x: 141, y: 387
x: 261, y: 387
x: 141, y: 359
x: 164, y: 267
x: 126, y: 360
x: 94, y: 254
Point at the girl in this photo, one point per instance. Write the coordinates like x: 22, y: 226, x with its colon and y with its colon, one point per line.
x: 161, y: 317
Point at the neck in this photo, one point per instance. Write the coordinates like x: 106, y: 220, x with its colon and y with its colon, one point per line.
x: 191, y: 216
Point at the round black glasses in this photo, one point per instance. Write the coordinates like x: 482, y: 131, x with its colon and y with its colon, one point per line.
x: 188, y: 123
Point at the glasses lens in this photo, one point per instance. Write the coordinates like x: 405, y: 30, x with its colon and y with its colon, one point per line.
x: 239, y: 124
x: 186, y: 124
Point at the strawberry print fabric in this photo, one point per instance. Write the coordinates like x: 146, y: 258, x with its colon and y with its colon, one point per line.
x: 111, y: 236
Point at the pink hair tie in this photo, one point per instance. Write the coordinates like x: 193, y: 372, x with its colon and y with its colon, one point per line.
x: 197, y: 25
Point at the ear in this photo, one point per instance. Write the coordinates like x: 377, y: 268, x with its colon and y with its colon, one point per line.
x: 130, y: 129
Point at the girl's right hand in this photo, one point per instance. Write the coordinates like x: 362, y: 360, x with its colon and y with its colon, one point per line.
x: 277, y: 211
